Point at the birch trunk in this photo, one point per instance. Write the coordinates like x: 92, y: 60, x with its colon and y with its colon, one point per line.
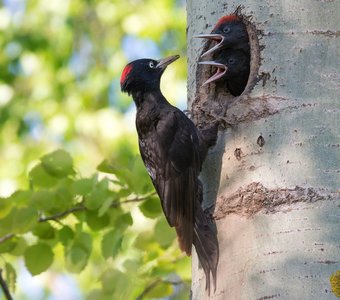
x: 277, y: 207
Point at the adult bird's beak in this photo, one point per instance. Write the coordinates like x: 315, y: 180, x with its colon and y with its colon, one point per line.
x: 211, y: 36
x: 221, y: 70
x: 164, y: 62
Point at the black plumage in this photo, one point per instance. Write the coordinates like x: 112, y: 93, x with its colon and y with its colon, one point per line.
x: 230, y: 54
x: 233, y: 67
x: 230, y: 32
x: 173, y: 151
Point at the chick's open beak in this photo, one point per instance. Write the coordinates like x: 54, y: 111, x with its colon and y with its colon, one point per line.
x: 220, y: 72
x: 211, y: 36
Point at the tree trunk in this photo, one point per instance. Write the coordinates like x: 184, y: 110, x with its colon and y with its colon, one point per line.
x: 277, y: 207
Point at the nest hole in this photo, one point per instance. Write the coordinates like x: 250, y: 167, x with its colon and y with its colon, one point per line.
x: 219, y: 90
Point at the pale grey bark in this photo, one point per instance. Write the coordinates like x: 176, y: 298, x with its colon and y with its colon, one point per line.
x: 277, y: 206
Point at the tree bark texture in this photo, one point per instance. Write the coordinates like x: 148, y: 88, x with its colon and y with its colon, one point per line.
x: 273, y: 178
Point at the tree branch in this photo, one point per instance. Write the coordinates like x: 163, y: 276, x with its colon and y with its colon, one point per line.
x: 60, y: 215
x: 4, y: 287
x: 136, y: 199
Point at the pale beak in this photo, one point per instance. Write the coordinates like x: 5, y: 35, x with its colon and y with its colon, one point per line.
x: 221, y: 70
x: 164, y: 62
x: 211, y: 36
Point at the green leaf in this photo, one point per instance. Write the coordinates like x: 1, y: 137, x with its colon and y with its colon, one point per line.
x: 161, y: 290
x: 106, y: 167
x: 123, y: 221
x: 19, y: 220
x: 132, y: 266
x: 95, y: 199
x: 95, y: 222
x: 44, y: 230
x: 40, y: 178
x: 121, y: 171
x: 84, y: 240
x: 43, y: 200
x: 66, y: 235
x: 76, y: 259
x: 20, y: 198
x: 20, y: 246
x: 151, y: 208
x: 120, y: 286
x: 25, y: 219
x: 183, y: 268
x: 111, y: 243
x: 164, y: 234
x: 7, y: 246
x: 58, y: 163
x: 105, y: 206
x: 162, y: 269
x: 64, y: 199
x: 98, y: 294
x: 38, y: 258
x: 83, y: 186
x: 5, y: 206
x: 6, y: 223
x: 144, y: 240
x: 11, y: 276
x: 98, y: 196
x: 78, y: 253
x: 139, y: 182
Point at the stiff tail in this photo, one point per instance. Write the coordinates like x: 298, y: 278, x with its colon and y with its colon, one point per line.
x: 206, y: 245
x: 185, y: 238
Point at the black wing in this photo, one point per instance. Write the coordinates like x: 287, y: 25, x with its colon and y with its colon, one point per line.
x: 171, y: 155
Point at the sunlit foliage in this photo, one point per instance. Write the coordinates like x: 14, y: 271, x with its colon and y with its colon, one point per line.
x: 76, y: 204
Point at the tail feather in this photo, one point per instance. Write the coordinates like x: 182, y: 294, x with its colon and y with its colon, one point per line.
x: 185, y: 237
x: 206, y: 245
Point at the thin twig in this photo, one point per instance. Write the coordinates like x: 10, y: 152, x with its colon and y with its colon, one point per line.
x: 6, y: 237
x: 153, y: 284
x: 60, y: 215
x: 5, y: 287
x: 149, y: 288
x: 136, y: 199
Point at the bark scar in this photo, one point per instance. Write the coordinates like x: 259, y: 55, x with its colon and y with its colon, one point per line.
x: 253, y: 198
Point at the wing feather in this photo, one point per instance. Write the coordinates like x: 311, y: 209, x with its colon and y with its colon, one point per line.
x: 171, y: 155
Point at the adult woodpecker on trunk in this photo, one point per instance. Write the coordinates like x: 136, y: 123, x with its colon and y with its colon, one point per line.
x: 229, y: 33
x: 173, y: 151
x: 232, y: 66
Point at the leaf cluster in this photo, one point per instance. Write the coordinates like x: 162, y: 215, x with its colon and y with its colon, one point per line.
x: 88, y: 224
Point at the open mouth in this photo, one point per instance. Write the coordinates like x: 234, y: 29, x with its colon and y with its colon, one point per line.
x: 220, y: 72
x: 211, y: 36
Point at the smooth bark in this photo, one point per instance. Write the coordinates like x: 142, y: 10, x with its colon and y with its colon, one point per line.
x: 277, y: 205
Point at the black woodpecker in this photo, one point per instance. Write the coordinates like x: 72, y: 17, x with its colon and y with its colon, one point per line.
x: 173, y: 150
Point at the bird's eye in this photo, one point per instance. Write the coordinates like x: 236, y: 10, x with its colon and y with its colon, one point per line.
x: 226, y: 29
x: 151, y: 64
x: 231, y: 61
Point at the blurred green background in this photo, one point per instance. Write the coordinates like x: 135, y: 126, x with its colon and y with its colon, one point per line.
x: 60, y: 65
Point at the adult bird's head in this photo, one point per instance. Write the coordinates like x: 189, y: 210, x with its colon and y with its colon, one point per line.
x: 144, y: 75
x: 229, y: 63
x: 229, y: 32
